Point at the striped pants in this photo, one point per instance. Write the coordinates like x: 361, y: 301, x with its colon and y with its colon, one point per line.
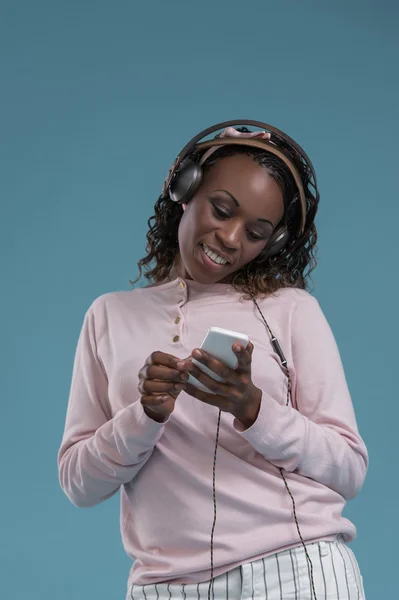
x: 281, y: 576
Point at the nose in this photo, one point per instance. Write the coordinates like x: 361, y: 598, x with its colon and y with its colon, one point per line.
x: 230, y: 234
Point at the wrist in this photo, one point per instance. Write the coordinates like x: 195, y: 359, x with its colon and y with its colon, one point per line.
x: 248, y: 418
x: 159, y: 418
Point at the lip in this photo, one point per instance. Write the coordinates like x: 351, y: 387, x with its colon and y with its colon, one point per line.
x: 219, y: 253
x: 209, y: 264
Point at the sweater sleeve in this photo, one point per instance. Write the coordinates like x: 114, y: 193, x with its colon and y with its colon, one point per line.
x: 100, y: 452
x: 319, y: 438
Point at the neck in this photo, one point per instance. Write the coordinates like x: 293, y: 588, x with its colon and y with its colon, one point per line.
x: 178, y: 269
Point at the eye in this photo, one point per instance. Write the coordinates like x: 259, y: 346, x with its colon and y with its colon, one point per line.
x: 220, y: 213
x: 256, y: 237
x: 223, y: 213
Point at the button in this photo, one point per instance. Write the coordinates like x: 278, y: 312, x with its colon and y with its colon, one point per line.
x: 177, y: 320
x: 176, y: 338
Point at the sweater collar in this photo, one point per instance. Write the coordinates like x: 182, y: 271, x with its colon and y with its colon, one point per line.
x: 189, y: 290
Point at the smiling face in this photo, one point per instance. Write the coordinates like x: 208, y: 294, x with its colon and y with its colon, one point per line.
x: 229, y: 221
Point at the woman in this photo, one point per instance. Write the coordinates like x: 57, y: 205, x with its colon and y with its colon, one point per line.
x: 259, y: 514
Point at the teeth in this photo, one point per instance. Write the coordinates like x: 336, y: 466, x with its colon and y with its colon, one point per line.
x: 213, y: 256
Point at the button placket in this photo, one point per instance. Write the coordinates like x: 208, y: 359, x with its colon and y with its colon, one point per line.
x: 178, y: 320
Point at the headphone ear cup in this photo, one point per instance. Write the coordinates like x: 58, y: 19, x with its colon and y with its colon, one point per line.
x: 186, y: 182
x: 277, y: 242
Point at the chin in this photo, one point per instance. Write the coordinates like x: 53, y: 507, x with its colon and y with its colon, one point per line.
x: 198, y: 268
x: 201, y: 277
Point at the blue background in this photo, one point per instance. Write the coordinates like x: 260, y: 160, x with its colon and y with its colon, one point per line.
x: 97, y: 98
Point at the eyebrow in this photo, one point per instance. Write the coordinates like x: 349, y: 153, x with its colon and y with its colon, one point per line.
x: 238, y: 204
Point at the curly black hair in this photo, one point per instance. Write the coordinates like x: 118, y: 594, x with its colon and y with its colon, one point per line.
x: 264, y: 275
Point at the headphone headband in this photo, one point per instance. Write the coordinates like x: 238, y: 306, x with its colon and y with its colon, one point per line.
x: 264, y: 144
x: 269, y: 128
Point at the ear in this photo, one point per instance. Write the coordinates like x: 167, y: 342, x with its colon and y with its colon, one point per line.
x: 184, y: 206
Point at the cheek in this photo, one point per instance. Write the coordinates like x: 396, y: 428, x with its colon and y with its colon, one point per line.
x: 181, y: 234
x: 187, y: 228
x: 251, y: 252
x: 192, y: 220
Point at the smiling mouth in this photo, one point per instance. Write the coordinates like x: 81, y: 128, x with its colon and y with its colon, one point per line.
x: 213, y: 257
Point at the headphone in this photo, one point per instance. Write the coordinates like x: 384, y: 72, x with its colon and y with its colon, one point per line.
x: 186, y: 174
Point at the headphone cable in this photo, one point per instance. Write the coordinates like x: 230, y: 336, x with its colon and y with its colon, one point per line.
x: 277, y: 348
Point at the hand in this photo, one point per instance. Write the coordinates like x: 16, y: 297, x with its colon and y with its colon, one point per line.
x: 238, y: 395
x: 160, y: 384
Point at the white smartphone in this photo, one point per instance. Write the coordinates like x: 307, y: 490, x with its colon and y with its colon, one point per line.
x: 218, y: 342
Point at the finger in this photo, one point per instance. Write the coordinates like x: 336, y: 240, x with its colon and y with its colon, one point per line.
x: 215, y: 365
x: 151, y: 386
x: 161, y: 358
x: 151, y: 400
x: 244, y: 356
x: 164, y: 373
x: 156, y: 403
x: 217, y: 387
x: 181, y: 363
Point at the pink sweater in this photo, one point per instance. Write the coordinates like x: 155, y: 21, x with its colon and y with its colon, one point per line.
x: 164, y: 471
